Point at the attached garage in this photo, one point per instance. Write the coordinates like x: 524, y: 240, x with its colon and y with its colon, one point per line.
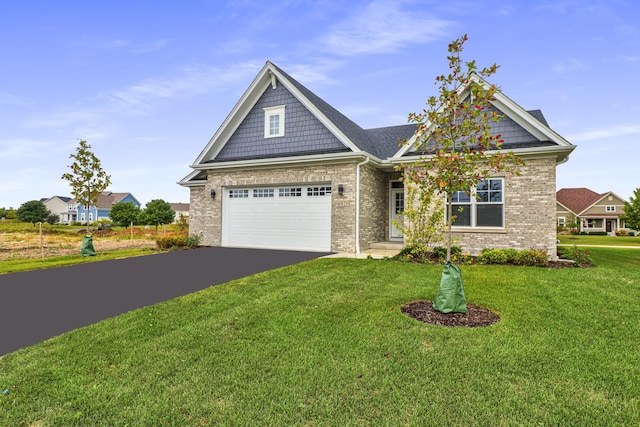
x: 294, y: 217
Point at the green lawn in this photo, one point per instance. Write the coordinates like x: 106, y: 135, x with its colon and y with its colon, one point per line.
x: 599, y: 240
x: 325, y: 343
x: 26, y: 264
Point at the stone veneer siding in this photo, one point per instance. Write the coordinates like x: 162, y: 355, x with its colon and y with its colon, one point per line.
x: 530, y: 205
x: 206, y: 213
x: 530, y: 213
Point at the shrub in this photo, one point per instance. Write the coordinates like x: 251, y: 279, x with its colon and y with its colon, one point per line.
x: 580, y: 257
x: 193, y: 241
x: 169, y: 242
x: 497, y: 256
x: 532, y: 257
x: 175, y: 242
x: 441, y: 253
x: 491, y: 256
x: 593, y: 233
x: 414, y: 253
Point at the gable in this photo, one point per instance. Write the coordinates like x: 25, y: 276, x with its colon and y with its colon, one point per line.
x: 304, y: 134
x: 524, y: 132
x: 577, y: 199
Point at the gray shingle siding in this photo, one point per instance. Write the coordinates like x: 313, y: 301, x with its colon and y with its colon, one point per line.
x: 304, y: 134
x: 514, y: 135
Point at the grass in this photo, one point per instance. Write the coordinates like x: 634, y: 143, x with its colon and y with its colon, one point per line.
x: 324, y: 343
x: 25, y: 264
x: 566, y: 239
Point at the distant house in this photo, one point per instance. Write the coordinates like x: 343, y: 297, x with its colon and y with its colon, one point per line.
x: 590, y: 211
x: 181, y: 210
x: 57, y: 205
x: 76, y: 212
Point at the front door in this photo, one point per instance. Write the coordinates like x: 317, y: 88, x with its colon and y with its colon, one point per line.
x: 609, y: 226
x: 396, y: 205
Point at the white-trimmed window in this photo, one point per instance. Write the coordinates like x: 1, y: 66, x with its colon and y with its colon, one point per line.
x: 82, y: 217
x: 239, y: 194
x: 483, y: 208
x: 561, y: 221
x: 290, y: 192
x: 318, y: 191
x: 263, y: 192
x: 610, y: 208
x: 274, y: 121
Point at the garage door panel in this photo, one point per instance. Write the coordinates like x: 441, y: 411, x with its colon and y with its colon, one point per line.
x: 290, y: 219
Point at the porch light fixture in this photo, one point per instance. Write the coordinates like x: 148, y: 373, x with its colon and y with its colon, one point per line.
x: 213, y: 193
x: 340, y: 189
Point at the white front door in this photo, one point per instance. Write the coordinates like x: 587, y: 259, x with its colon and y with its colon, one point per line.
x: 396, y: 205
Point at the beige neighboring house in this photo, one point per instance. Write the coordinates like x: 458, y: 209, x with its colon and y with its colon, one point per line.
x: 286, y: 170
x: 181, y: 210
x: 57, y: 205
x: 590, y: 211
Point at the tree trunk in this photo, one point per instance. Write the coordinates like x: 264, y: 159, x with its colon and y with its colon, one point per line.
x: 449, y: 223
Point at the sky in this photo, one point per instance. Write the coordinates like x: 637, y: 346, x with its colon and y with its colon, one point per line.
x: 148, y: 82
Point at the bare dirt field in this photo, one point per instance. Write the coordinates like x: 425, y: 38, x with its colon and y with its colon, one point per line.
x: 25, y: 242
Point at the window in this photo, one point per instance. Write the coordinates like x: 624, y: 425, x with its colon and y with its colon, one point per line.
x: 274, y: 121
x: 290, y: 192
x: 610, y: 208
x: 263, y: 192
x: 318, y: 191
x: 484, y: 208
x: 589, y: 223
x: 561, y: 221
x: 90, y: 216
x: 82, y: 217
x: 239, y: 194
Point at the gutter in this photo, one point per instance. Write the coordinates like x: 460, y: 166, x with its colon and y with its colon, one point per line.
x: 358, y: 203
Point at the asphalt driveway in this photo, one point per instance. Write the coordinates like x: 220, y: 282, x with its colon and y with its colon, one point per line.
x: 37, y: 305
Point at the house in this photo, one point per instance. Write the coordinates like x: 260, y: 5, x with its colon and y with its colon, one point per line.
x: 589, y: 211
x: 57, y: 205
x: 76, y: 212
x: 286, y: 170
x: 181, y: 210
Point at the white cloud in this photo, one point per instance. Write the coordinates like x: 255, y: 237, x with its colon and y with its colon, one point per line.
x: 568, y: 66
x: 194, y: 80
x: 14, y: 150
x: 383, y: 27
x: 609, y: 132
x: 8, y: 99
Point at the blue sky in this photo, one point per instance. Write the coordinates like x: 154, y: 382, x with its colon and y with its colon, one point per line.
x: 147, y: 83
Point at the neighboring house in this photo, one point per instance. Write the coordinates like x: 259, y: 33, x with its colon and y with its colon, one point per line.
x: 590, y: 211
x: 181, y: 210
x: 76, y: 212
x: 57, y: 205
x: 286, y: 170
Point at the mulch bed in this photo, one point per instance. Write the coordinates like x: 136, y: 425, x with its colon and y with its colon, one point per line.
x: 475, y: 316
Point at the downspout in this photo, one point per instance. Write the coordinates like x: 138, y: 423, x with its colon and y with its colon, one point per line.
x: 358, y: 203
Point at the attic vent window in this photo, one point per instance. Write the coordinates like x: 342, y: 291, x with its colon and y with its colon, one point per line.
x: 274, y: 121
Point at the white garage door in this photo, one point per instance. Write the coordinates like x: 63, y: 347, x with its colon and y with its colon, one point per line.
x: 294, y: 217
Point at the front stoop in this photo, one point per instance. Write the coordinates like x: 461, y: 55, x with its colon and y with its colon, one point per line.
x: 376, y: 250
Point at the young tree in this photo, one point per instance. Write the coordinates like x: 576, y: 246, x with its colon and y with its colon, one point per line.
x: 632, y: 211
x: 460, y: 151
x: 87, y: 178
x: 33, y: 211
x: 158, y: 212
x: 124, y: 213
